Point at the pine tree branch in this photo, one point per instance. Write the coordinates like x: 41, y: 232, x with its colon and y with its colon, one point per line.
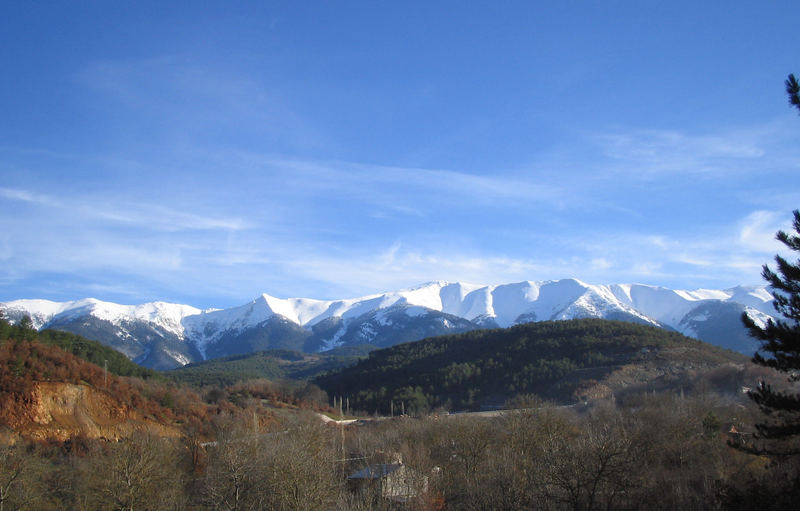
x: 793, y: 89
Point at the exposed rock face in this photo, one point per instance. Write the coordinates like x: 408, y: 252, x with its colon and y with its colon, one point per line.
x: 58, y: 411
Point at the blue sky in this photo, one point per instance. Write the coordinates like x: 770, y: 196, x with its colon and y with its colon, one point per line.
x: 203, y: 152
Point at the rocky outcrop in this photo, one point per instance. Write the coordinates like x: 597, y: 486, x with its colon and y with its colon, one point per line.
x: 58, y: 411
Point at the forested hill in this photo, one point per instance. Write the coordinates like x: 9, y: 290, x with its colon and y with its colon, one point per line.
x: 270, y: 364
x: 88, y: 350
x: 54, y: 387
x: 561, y: 360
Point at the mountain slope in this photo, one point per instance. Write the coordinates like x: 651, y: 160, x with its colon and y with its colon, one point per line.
x: 561, y: 360
x: 150, y: 334
x: 162, y: 335
x: 272, y: 365
x: 49, y: 394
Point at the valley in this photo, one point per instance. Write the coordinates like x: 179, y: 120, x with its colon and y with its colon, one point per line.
x: 74, y: 435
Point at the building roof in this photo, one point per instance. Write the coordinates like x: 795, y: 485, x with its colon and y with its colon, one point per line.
x: 376, y: 471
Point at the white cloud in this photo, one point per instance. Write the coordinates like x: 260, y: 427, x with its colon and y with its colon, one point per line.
x: 398, y: 267
x: 84, y: 211
x: 648, y: 153
x: 293, y: 224
x: 388, y: 257
x: 400, y: 188
x: 162, y: 218
x: 601, y: 263
x: 757, y: 231
x: 27, y: 196
x: 647, y: 269
x: 693, y: 259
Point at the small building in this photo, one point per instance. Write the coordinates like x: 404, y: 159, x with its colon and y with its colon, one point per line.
x: 737, y: 438
x: 392, y: 481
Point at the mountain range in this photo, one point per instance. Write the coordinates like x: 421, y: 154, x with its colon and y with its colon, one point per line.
x: 165, y: 335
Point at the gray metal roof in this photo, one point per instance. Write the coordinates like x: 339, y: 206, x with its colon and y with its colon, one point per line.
x: 376, y: 471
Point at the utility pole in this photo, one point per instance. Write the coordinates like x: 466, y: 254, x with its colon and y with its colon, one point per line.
x: 341, y: 429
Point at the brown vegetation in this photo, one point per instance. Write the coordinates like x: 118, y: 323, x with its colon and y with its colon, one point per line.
x: 118, y: 443
x: 647, y: 451
x: 48, y: 394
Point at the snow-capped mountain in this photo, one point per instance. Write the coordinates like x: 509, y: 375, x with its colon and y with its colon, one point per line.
x: 151, y: 334
x: 166, y: 335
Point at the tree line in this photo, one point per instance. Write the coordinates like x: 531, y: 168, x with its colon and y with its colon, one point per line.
x: 650, y: 452
x: 462, y: 371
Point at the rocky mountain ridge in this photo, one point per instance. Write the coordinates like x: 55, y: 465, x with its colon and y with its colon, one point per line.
x: 163, y: 335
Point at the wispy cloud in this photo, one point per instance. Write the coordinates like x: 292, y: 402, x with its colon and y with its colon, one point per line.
x: 652, y: 152
x: 401, y: 267
x: 162, y: 218
x: 27, y: 196
x: 656, y: 146
x: 406, y: 188
x: 233, y: 155
x: 757, y: 231
x: 191, y: 97
x: 237, y: 222
x: 158, y: 217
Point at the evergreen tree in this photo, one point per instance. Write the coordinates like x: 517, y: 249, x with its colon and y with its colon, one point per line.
x: 24, y: 330
x: 793, y: 89
x: 780, y: 338
x: 5, y: 326
x: 780, y: 341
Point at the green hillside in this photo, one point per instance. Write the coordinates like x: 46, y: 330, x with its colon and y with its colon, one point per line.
x: 96, y: 353
x: 270, y: 364
x: 91, y: 351
x: 555, y: 359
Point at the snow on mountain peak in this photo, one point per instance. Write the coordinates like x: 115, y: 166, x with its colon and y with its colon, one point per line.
x: 503, y: 305
x: 758, y: 298
x: 165, y: 315
x: 40, y: 311
x: 704, y: 294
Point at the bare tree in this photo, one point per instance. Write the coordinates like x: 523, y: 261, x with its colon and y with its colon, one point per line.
x: 142, y: 472
x: 301, y: 465
x: 235, y: 470
x: 21, y: 479
x: 291, y: 468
